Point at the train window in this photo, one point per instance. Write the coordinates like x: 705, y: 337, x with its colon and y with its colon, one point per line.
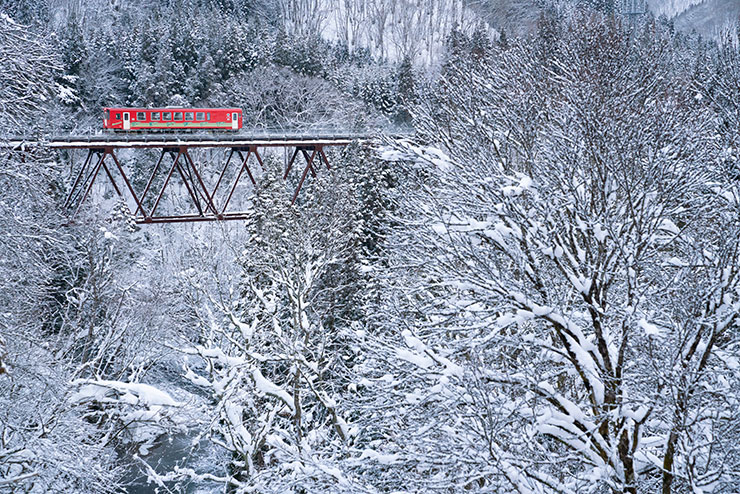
x: 107, y: 114
x: 140, y: 116
x: 189, y: 116
x: 208, y: 116
x: 178, y: 115
x: 118, y: 116
x: 166, y: 116
x: 200, y: 116
x: 155, y: 116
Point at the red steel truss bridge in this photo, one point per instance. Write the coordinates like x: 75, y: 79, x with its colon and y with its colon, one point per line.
x: 209, y: 198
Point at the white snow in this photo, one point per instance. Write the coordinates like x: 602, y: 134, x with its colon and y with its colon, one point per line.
x: 138, y: 392
x: 269, y: 388
x: 669, y: 226
x: 419, y: 360
x: 382, y: 458
x: 600, y: 233
x: 439, y: 228
x: 650, y: 329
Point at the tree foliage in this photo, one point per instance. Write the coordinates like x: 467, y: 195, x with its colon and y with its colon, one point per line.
x: 576, y: 250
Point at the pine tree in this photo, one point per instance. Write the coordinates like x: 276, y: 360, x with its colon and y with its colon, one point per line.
x: 406, y: 94
x: 74, y: 56
x: 503, y: 41
x: 480, y: 42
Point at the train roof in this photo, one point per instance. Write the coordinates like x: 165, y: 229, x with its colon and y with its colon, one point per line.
x: 161, y: 108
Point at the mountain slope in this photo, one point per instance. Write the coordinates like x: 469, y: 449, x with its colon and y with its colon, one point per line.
x: 711, y: 18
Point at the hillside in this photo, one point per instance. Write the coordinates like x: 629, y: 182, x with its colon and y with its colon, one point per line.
x: 711, y: 18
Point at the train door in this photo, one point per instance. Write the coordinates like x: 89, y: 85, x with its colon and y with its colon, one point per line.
x: 234, y: 121
x: 126, y: 121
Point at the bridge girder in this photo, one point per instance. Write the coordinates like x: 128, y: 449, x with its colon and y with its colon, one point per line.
x: 103, y: 156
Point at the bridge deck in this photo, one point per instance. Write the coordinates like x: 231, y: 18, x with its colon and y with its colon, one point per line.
x: 190, y: 140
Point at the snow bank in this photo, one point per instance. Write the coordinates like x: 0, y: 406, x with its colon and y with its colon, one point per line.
x: 118, y: 391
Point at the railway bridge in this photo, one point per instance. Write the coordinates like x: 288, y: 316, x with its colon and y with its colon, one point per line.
x: 209, y: 185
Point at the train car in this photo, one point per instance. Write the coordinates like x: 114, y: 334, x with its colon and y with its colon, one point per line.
x: 162, y: 119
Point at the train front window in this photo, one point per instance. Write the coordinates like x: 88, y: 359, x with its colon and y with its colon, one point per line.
x: 140, y: 116
x: 178, y: 115
x: 107, y: 114
x: 200, y: 116
x: 166, y: 116
x: 189, y: 116
x: 155, y: 116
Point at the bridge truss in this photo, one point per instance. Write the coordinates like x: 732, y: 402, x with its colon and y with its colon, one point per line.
x: 209, y: 201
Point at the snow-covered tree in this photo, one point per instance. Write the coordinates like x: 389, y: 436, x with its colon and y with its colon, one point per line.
x: 574, y: 249
x: 276, y: 354
x: 27, y: 64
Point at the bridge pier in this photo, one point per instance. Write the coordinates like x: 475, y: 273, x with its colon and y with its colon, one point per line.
x: 309, y: 164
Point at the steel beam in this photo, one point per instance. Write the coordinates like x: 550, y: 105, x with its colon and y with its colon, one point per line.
x: 136, y: 143
x: 309, y: 162
x: 203, y: 198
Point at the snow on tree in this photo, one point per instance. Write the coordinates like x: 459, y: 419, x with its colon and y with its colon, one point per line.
x: 27, y: 65
x: 276, y: 354
x: 575, y: 249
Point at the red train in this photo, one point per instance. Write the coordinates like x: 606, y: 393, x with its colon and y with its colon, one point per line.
x: 138, y: 119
